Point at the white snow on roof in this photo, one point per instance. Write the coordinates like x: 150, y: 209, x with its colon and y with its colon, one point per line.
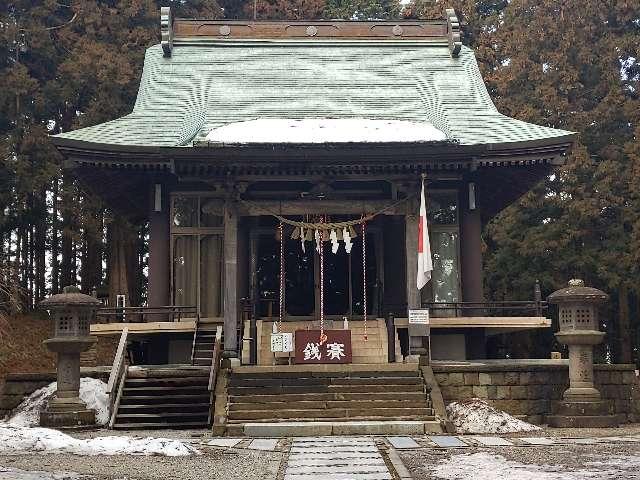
x: 497, y: 467
x: 325, y: 130
x: 15, y: 439
x: 477, y: 416
x: 93, y: 392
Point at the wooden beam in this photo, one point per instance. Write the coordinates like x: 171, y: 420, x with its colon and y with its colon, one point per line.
x: 301, y: 207
x: 433, y: 30
x: 511, y: 323
x: 147, y: 327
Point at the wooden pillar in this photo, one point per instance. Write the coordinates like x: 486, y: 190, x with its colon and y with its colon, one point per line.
x: 255, y: 307
x: 411, y: 249
x: 471, y: 270
x: 159, y: 254
x: 230, y: 279
x: 471, y: 256
x: 417, y: 344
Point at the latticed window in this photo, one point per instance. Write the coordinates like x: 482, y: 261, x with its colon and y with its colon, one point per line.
x: 197, y: 248
x: 444, y: 233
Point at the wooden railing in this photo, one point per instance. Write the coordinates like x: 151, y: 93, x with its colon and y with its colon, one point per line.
x: 195, y: 337
x: 215, y: 368
x: 523, y: 308
x: 117, y: 376
x: 170, y: 313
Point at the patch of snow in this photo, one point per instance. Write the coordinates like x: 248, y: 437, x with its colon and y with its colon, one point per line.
x: 477, y: 416
x: 468, y: 466
x: 329, y: 130
x: 93, y: 392
x: 17, y: 439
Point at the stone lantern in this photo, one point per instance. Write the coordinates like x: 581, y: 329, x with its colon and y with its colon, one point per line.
x: 72, y: 313
x: 581, y: 404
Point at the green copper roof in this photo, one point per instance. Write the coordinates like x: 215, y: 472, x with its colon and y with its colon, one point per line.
x: 208, y: 85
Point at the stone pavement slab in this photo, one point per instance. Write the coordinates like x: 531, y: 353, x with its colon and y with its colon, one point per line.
x: 493, y: 441
x: 340, y: 476
x: 263, y: 444
x: 584, y: 441
x: 322, y: 449
x: 224, y: 442
x: 335, y: 459
x: 447, y: 441
x: 537, y: 440
x: 329, y: 455
x: 403, y: 442
x: 332, y: 461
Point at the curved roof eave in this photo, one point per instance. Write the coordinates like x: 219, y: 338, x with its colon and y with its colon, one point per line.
x: 203, y: 87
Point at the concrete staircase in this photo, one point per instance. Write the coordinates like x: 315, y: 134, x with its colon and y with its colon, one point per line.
x: 267, y: 400
x: 164, y: 397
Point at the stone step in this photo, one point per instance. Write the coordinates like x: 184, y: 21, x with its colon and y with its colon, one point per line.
x: 320, y: 373
x: 158, y: 398
x: 326, y: 428
x: 334, y: 396
x: 153, y: 425
x: 275, y: 382
x: 163, y: 415
x: 157, y: 372
x: 367, y: 418
x: 354, y: 369
x: 287, y: 389
x: 319, y: 405
x: 162, y: 407
x: 170, y: 382
x: 329, y: 413
x: 166, y: 390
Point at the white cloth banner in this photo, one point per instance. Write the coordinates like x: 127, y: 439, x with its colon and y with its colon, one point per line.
x: 425, y: 264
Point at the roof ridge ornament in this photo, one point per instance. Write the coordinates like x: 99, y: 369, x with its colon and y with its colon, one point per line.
x: 453, y: 32
x: 166, y: 29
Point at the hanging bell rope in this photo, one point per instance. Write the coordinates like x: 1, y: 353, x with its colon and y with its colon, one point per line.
x: 281, y: 312
x: 323, y: 337
x: 364, y: 277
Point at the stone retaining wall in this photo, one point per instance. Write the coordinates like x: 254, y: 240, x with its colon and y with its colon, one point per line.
x: 19, y: 385
x: 525, y: 388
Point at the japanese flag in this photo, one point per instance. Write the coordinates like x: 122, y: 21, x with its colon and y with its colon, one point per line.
x: 425, y: 265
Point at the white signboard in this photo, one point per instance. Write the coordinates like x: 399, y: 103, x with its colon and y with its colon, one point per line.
x: 419, y: 317
x: 282, y: 342
x: 276, y: 342
x: 287, y: 342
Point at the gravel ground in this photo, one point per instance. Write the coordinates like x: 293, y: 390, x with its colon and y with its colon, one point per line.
x: 556, y: 462
x: 228, y: 464
x: 621, y: 431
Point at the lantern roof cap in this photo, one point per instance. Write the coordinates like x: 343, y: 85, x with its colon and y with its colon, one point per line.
x: 71, y: 296
x: 577, y: 291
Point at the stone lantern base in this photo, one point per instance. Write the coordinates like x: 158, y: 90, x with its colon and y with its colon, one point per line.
x: 67, y: 413
x: 577, y: 414
x: 581, y: 405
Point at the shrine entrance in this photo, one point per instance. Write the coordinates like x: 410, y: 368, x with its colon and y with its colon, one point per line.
x: 343, y: 275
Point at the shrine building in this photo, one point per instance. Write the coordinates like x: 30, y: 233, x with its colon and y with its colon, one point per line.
x: 251, y: 143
